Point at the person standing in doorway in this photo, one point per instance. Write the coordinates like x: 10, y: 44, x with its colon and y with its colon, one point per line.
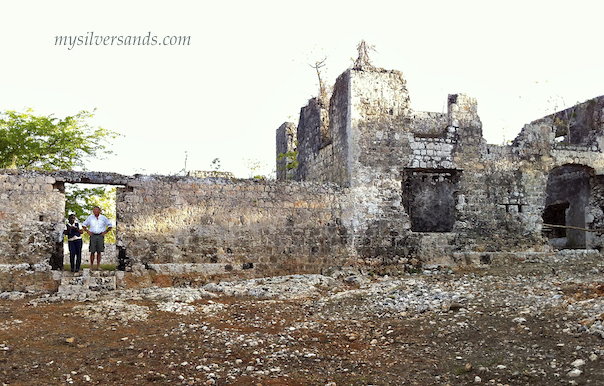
x: 97, y: 226
x: 74, y: 240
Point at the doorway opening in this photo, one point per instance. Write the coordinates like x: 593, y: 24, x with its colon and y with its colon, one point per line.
x: 80, y: 198
x: 567, y: 197
x: 555, y: 216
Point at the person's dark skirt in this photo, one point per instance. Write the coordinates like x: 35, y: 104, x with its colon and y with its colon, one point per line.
x: 75, y: 255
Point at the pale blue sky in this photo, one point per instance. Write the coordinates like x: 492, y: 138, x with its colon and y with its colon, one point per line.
x: 246, y: 69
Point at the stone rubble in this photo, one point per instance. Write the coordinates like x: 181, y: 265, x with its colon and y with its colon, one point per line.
x: 280, y: 287
x: 433, y: 291
x: 447, y: 302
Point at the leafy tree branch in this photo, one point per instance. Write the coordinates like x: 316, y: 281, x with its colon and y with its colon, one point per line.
x: 29, y: 141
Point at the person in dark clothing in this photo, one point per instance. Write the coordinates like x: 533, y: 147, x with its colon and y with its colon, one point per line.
x: 74, y: 239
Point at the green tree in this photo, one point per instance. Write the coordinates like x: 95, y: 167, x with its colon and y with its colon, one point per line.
x: 49, y: 143
x: 80, y: 201
x: 30, y: 141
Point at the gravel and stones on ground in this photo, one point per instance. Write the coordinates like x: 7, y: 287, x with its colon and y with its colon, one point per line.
x: 536, y: 322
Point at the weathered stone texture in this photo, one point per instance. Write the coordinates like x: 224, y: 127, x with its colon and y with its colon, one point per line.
x: 291, y: 227
x: 31, y: 211
x: 415, y: 175
x: 322, y: 143
x: 286, y: 148
x: 377, y: 184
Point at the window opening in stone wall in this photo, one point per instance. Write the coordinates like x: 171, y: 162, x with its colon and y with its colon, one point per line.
x: 567, y: 197
x: 561, y: 135
x: 429, y: 197
x: 555, y: 216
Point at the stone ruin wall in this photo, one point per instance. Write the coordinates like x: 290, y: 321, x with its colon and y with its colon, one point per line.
x: 387, y: 147
x: 567, y: 146
x: 322, y: 145
x: 175, y: 226
x: 399, y: 163
x: 234, y: 224
x: 31, y: 210
x: 377, y: 185
x: 31, y: 214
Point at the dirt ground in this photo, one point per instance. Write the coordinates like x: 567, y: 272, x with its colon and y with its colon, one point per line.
x: 247, y: 341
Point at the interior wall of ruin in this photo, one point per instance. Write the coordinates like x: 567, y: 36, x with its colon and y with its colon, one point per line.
x: 272, y: 226
x: 225, y: 224
x: 497, y: 199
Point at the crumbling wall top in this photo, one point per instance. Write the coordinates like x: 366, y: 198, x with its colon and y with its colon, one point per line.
x: 579, y: 125
x: 71, y: 176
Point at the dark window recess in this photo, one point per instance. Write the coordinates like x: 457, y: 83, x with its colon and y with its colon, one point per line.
x: 429, y: 198
x: 60, y: 186
x: 555, y: 215
x: 122, y: 258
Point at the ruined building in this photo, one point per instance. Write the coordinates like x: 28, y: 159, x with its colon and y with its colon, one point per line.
x: 426, y: 186
x: 363, y: 180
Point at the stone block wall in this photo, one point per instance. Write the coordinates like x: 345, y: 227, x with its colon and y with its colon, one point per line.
x: 31, y: 225
x: 310, y: 141
x: 274, y: 227
x: 398, y: 162
x: 378, y: 147
x: 213, y: 226
x: 31, y: 218
x: 322, y: 137
x: 377, y: 184
x: 286, y: 151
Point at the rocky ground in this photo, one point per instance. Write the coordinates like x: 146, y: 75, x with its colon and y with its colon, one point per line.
x: 539, y: 322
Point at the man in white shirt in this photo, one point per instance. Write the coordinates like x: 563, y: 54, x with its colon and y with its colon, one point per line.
x: 97, y: 226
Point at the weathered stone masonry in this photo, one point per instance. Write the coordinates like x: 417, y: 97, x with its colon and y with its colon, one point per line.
x: 32, y: 206
x: 179, y: 225
x: 378, y: 184
x: 29, y: 216
x: 276, y: 227
x: 425, y: 187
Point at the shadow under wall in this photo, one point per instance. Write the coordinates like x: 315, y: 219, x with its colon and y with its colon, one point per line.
x: 567, y: 196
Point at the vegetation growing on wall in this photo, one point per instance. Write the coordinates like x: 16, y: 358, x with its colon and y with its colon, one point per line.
x: 291, y: 159
x: 363, y: 61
